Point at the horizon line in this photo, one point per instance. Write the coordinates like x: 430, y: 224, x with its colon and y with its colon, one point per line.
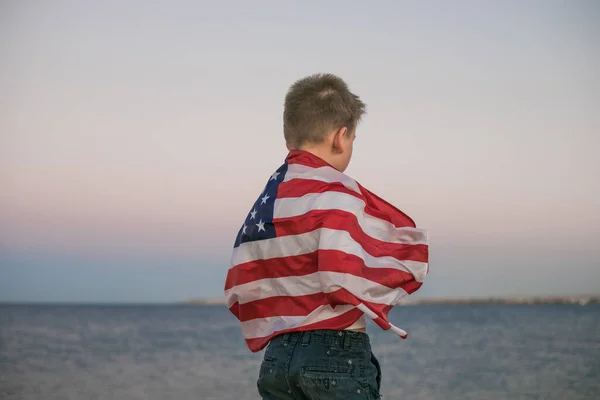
x: 217, y: 300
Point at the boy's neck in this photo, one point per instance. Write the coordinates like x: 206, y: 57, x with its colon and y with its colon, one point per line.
x: 318, y: 151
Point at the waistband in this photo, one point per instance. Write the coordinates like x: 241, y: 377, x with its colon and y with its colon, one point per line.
x: 345, y: 339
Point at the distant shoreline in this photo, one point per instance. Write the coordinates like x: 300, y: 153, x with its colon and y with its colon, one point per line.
x: 220, y: 302
x: 581, y: 300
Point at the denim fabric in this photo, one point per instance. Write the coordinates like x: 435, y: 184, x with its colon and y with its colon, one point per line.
x: 321, y: 365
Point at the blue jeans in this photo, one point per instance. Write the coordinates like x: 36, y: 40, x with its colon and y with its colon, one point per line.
x: 321, y: 365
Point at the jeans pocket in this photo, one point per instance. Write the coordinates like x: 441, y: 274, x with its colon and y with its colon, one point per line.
x: 267, y: 367
x: 331, y: 384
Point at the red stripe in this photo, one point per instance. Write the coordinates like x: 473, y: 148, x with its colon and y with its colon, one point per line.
x: 341, y: 220
x: 328, y: 260
x: 338, y: 261
x: 382, y: 209
x: 279, y: 305
x: 381, y: 309
x: 383, y: 323
x: 300, y: 305
x: 299, y: 187
x: 374, y: 206
x: 343, y: 296
x: 272, y: 268
x: 305, y: 158
x: 337, y: 323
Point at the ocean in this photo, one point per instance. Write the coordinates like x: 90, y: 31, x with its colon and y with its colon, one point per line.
x: 197, y: 352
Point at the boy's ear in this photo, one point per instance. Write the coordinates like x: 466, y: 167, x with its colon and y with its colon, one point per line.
x: 338, y: 139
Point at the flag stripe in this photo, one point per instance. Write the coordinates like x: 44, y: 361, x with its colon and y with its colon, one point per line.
x: 374, y: 227
x: 342, y: 319
x: 305, y: 159
x: 382, y: 209
x: 300, y: 187
x: 324, y: 174
x: 321, y: 281
x: 299, y: 305
x: 278, y: 267
x: 343, y: 221
x: 326, y: 260
x: 373, y: 207
x: 372, y: 204
x: 323, y: 238
x: 262, y: 327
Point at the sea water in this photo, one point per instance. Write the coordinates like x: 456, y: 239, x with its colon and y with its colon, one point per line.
x: 197, y: 352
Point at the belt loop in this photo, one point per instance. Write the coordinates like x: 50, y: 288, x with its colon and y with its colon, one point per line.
x: 285, y: 339
x: 346, y: 339
x: 305, y: 338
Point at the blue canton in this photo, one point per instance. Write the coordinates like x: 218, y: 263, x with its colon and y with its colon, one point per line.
x: 259, y: 222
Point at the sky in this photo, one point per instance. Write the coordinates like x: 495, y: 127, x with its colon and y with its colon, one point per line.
x: 134, y: 137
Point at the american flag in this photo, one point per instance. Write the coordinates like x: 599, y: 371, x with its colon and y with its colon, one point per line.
x: 317, y: 251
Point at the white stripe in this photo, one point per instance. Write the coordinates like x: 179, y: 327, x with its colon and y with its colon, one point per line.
x: 262, y: 327
x: 322, y: 281
x: 326, y: 239
x: 282, y: 246
x: 399, y: 331
x: 376, y: 228
x: 272, y: 287
x: 364, y: 289
x: 370, y: 313
x: 366, y: 310
x: 323, y: 174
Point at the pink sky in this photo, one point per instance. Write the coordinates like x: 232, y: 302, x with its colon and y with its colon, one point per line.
x: 149, y: 131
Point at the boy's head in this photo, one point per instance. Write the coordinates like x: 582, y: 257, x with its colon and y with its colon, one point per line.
x: 321, y: 116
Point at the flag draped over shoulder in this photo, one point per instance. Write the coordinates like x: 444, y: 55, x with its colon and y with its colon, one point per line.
x: 317, y: 251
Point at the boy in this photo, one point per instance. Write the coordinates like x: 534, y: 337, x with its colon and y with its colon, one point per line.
x: 317, y: 253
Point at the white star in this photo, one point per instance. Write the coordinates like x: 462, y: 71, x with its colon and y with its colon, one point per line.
x: 264, y: 199
x: 274, y: 176
x: 253, y: 214
x: 261, y: 226
x: 244, y: 229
